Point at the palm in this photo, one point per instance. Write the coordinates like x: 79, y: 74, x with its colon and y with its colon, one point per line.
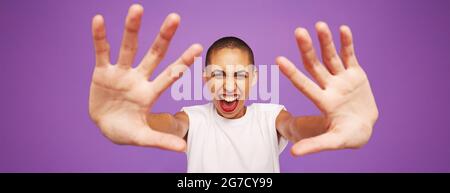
x: 342, y: 92
x: 349, y: 105
x: 121, y: 96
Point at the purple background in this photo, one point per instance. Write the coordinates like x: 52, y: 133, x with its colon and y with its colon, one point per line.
x: 47, y: 59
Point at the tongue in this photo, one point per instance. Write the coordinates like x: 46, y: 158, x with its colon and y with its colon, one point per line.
x: 228, y: 106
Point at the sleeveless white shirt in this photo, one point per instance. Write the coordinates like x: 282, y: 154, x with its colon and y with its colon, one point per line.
x: 246, y: 144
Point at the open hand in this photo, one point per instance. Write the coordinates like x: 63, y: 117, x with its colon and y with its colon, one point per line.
x: 121, y: 96
x: 342, y: 91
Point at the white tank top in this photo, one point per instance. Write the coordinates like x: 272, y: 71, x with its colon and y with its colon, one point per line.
x: 247, y: 144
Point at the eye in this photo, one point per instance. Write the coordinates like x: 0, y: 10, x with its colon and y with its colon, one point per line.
x: 217, y: 74
x: 241, y: 75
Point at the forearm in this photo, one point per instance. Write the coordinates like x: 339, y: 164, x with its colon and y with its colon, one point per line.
x: 301, y: 127
x: 167, y: 123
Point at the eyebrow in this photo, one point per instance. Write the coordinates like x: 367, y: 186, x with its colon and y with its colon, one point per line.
x: 240, y: 71
x: 222, y: 71
x: 218, y: 70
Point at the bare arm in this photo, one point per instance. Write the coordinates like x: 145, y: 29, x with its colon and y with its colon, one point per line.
x: 297, y: 128
x: 167, y: 123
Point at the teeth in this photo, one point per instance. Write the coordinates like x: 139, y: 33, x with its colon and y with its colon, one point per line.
x: 228, y: 98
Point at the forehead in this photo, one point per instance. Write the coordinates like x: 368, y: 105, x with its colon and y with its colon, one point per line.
x: 230, y: 56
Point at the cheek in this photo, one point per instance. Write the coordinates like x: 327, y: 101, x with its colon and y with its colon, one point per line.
x: 214, y: 85
x: 244, y: 87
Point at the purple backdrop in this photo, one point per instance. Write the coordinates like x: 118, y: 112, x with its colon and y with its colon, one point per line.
x: 47, y: 59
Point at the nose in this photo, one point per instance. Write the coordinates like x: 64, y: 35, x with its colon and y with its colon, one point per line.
x: 230, y: 84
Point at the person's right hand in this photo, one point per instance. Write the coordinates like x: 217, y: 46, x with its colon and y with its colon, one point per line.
x: 121, y: 96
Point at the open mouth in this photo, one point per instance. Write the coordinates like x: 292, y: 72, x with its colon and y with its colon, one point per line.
x: 228, y: 103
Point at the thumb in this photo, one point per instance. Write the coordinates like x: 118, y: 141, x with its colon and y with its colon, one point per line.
x: 174, y: 71
x: 298, y: 79
x: 326, y: 141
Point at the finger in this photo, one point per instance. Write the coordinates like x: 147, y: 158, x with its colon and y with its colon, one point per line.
x: 329, y: 54
x: 100, y: 43
x: 326, y: 141
x: 312, y: 64
x: 159, y: 47
x: 174, y: 71
x: 300, y: 81
x: 130, y: 36
x: 151, y: 138
x: 347, y: 50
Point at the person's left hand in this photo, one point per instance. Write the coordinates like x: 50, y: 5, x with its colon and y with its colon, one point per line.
x: 342, y: 92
